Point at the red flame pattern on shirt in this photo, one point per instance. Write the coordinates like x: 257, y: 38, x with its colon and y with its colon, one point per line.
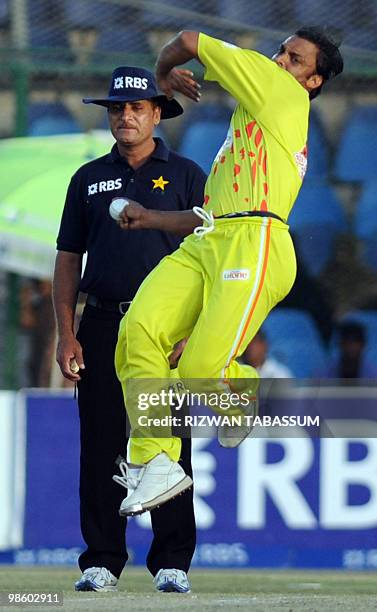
x: 258, y: 162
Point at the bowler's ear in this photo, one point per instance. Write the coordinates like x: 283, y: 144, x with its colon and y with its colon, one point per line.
x: 314, y: 82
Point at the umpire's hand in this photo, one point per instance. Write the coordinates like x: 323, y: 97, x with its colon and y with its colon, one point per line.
x: 69, y: 357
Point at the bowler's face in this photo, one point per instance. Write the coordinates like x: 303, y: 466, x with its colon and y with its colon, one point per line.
x: 299, y: 57
x: 132, y: 123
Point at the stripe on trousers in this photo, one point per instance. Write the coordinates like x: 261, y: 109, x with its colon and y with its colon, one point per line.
x: 255, y: 292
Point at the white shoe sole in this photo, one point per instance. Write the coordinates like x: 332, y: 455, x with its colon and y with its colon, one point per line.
x: 239, y: 433
x: 171, y: 587
x: 180, y: 487
x: 234, y: 441
x: 88, y: 586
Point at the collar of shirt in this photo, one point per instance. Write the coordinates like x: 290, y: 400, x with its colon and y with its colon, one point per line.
x: 161, y: 152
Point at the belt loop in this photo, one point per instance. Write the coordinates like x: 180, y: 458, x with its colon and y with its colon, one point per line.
x: 123, y: 307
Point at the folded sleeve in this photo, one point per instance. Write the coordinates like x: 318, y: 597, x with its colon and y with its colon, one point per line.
x: 251, y: 78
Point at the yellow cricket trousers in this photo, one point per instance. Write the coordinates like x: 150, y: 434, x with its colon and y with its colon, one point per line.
x: 217, y: 291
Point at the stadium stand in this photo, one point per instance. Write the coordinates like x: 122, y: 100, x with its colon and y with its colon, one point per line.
x: 37, y: 110
x: 48, y: 126
x: 122, y: 38
x: 366, y: 209
x: 368, y: 318
x: 202, y: 140
x: 42, y: 37
x: 310, y: 12
x: 295, y: 341
x: 318, y: 149
x: 75, y: 41
x: 209, y: 111
x: 76, y: 14
x: 356, y: 159
x: 365, y: 223
x: 316, y: 220
x: 48, y: 118
x: 4, y: 11
x: 45, y: 19
x: 267, y: 14
x: 167, y: 18
x: 364, y: 37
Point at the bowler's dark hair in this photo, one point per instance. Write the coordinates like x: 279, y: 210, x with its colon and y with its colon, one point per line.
x: 329, y: 60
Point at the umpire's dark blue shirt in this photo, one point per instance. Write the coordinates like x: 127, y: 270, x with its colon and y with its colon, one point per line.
x: 119, y: 260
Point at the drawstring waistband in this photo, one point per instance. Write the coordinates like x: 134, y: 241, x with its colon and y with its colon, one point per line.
x: 208, y: 222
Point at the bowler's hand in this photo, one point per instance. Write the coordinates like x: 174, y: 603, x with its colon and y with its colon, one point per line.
x: 134, y: 216
x: 68, y: 354
x: 179, y: 80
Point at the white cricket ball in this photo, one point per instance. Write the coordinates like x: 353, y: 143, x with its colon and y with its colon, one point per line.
x: 73, y: 365
x: 116, y: 207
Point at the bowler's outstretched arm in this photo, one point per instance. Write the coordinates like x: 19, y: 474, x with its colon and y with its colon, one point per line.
x: 136, y: 216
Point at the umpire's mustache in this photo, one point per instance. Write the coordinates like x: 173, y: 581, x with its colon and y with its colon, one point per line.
x: 126, y: 126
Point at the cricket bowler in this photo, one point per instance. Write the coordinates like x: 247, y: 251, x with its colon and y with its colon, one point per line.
x: 219, y: 286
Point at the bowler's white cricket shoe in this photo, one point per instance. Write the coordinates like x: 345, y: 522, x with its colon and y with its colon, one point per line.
x: 161, y: 480
x: 96, y: 579
x: 231, y: 436
x: 172, y: 581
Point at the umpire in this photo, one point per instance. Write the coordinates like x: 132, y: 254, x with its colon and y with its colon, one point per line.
x: 144, y: 169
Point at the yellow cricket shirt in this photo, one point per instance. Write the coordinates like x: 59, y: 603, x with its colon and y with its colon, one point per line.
x: 262, y: 162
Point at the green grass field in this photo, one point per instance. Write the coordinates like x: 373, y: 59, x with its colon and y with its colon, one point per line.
x: 258, y: 591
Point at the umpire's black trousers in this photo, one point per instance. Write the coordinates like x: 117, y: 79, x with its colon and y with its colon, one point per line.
x: 103, y: 438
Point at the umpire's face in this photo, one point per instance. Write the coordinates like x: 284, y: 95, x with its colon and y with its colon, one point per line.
x: 132, y: 123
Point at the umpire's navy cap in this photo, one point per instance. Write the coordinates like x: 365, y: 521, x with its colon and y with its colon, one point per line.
x: 129, y: 84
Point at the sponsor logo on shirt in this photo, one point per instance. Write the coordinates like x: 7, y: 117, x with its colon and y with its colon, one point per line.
x: 301, y: 159
x: 132, y: 82
x: 160, y: 183
x: 101, y: 186
x: 232, y: 275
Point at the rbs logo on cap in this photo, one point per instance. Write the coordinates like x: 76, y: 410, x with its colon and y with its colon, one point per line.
x: 132, y: 82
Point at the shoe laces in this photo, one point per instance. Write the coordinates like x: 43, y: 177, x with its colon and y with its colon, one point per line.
x: 169, y: 574
x: 93, y: 573
x: 176, y: 576
x: 208, y: 222
x: 131, y: 475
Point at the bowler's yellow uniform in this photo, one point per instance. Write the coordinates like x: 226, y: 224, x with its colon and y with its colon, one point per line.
x: 218, y: 289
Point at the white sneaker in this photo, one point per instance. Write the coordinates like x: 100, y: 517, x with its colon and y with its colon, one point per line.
x: 231, y: 436
x: 161, y: 480
x: 96, y: 579
x: 172, y: 581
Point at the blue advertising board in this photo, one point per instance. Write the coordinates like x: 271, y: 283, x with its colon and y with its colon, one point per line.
x: 273, y: 502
